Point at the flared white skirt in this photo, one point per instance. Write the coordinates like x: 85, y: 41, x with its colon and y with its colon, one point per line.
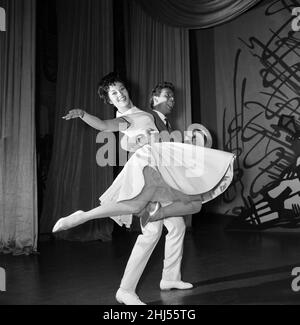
x: 178, y: 171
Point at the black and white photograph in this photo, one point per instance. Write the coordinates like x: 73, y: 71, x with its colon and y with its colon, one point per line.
x: 149, y: 155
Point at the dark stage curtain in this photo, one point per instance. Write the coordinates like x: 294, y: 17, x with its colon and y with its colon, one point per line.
x: 196, y: 13
x: 18, y: 181
x: 85, y: 54
x: 156, y: 52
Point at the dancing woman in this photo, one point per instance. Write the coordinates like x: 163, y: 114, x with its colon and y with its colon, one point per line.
x: 161, y: 179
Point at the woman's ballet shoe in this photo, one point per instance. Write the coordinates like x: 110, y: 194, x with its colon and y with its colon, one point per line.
x: 150, y: 213
x: 68, y: 222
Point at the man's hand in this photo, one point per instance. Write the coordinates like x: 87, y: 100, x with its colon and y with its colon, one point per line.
x: 146, y: 137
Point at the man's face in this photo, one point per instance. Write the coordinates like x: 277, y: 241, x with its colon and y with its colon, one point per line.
x: 118, y: 95
x: 165, y: 101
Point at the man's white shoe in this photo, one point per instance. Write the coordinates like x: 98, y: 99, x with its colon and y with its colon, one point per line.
x: 168, y: 285
x: 128, y: 298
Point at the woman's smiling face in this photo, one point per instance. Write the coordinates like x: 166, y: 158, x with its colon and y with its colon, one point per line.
x: 118, y: 95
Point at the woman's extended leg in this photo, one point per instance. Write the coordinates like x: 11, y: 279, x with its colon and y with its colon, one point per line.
x: 108, y: 210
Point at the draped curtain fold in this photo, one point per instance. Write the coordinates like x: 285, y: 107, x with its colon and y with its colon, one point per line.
x: 156, y: 52
x: 18, y: 181
x: 5, y: 112
x: 85, y: 54
x: 195, y: 14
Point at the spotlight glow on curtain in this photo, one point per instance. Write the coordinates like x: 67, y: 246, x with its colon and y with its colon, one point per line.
x: 155, y: 53
x: 196, y: 13
x: 18, y: 182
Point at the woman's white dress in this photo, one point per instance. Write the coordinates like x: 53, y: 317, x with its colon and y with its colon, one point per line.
x: 178, y: 171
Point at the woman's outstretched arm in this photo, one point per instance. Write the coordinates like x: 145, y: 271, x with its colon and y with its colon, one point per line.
x: 112, y: 125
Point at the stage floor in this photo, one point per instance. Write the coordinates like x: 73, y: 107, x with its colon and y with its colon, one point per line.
x: 226, y: 268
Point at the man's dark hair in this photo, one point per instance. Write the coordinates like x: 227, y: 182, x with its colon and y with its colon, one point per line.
x: 106, y: 82
x: 157, y: 90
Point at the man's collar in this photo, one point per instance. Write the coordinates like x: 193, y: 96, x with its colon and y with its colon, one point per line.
x: 160, y: 114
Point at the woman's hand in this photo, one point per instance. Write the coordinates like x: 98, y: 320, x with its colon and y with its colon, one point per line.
x: 74, y: 113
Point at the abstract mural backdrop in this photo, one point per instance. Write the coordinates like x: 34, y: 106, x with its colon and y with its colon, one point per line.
x: 257, y: 60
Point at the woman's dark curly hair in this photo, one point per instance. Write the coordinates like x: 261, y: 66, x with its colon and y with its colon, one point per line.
x: 106, y: 82
x: 158, y: 88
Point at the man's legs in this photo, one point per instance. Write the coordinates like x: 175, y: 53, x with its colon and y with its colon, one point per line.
x: 171, y: 275
x: 138, y: 259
